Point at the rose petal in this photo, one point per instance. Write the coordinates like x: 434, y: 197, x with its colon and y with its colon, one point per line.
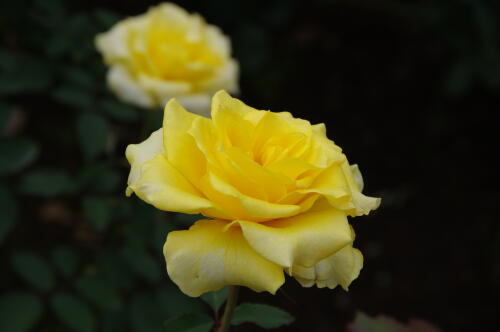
x: 206, y: 257
x: 242, y: 206
x: 340, y: 268
x: 138, y: 154
x: 126, y: 88
x: 182, y: 150
x: 161, y: 185
x: 302, y: 240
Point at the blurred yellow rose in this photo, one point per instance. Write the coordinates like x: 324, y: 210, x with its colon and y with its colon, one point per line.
x: 275, y: 190
x: 167, y: 53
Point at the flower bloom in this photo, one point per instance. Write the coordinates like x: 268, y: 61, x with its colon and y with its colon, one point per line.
x: 275, y: 190
x: 167, y: 53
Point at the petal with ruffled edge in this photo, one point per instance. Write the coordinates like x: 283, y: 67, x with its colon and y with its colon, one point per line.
x: 303, y: 240
x: 138, y: 154
x: 340, y: 268
x: 207, y: 257
x: 161, y: 185
x: 362, y: 204
x: 341, y: 187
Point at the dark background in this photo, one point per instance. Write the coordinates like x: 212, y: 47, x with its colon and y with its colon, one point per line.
x: 408, y: 89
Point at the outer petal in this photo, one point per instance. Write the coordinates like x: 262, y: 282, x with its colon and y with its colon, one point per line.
x: 340, y: 268
x: 161, y: 185
x: 162, y: 89
x: 341, y: 187
x: 138, y: 154
x: 127, y: 89
x: 302, y: 240
x: 207, y: 257
x: 363, y: 204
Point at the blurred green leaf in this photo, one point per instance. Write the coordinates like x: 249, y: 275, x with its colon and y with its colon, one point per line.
x: 66, y: 260
x: 5, y: 116
x: 106, y: 17
x: 143, y: 264
x: 49, y: 12
x: 262, y: 315
x: 73, y: 96
x: 114, y: 322
x: 78, y: 76
x: 100, y: 292
x: 19, y: 311
x: 99, y: 178
x: 46, y: 183
x: 93, y: 132
x: 458, y: 78
x: 73, y: 312
x: 23, y: 74
x: 16, y: 153
x: 114, y: 269
x: 173, y: 302
x: 144, y: 314
x: 8, y: 212
x: 33, y: 269
x: 217, y: 298
x: 185, y: 219
x: 188, y: 323
x: 119, y: 111
x: 97, y: 210
x: 159, y: 234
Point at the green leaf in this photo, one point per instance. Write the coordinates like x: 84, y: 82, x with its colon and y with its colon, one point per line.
x: 262, y: 315
x: 73, y: 312
x: 173, y: 302
x: 66, y: 260
x: 19, y: 311
x: 34, y: 270
x: 144, y: 314
x: 99, y: 178
x: 119, y: 111
x: 100, y: 292
x: 217, y: 298
x: 46, y: 183
x: 78, y: 76
x: 5, y: 115
x: 93, y: 132
x: 97, y: 211
x: 188, y: 323
x: 16, y: 153
x: 142, y: 264
x: 73, y: 96
x: 24, y: 75
x: 114, y: 269
x: 8, y: 212
x: 114, y: 322
x: 106, y: 18
x: 185, y: 219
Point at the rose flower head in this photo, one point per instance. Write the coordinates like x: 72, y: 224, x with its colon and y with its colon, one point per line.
x: 275, y: 191
x: 167, y: 53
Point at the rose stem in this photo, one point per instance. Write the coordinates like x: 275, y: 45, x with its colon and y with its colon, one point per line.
x: 228, y: 310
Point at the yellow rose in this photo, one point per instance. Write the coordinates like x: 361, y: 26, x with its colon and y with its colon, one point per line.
x: 168, y: 53
x: 275, y: 190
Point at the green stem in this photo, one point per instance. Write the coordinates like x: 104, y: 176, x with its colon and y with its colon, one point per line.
x: 228, y: 310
